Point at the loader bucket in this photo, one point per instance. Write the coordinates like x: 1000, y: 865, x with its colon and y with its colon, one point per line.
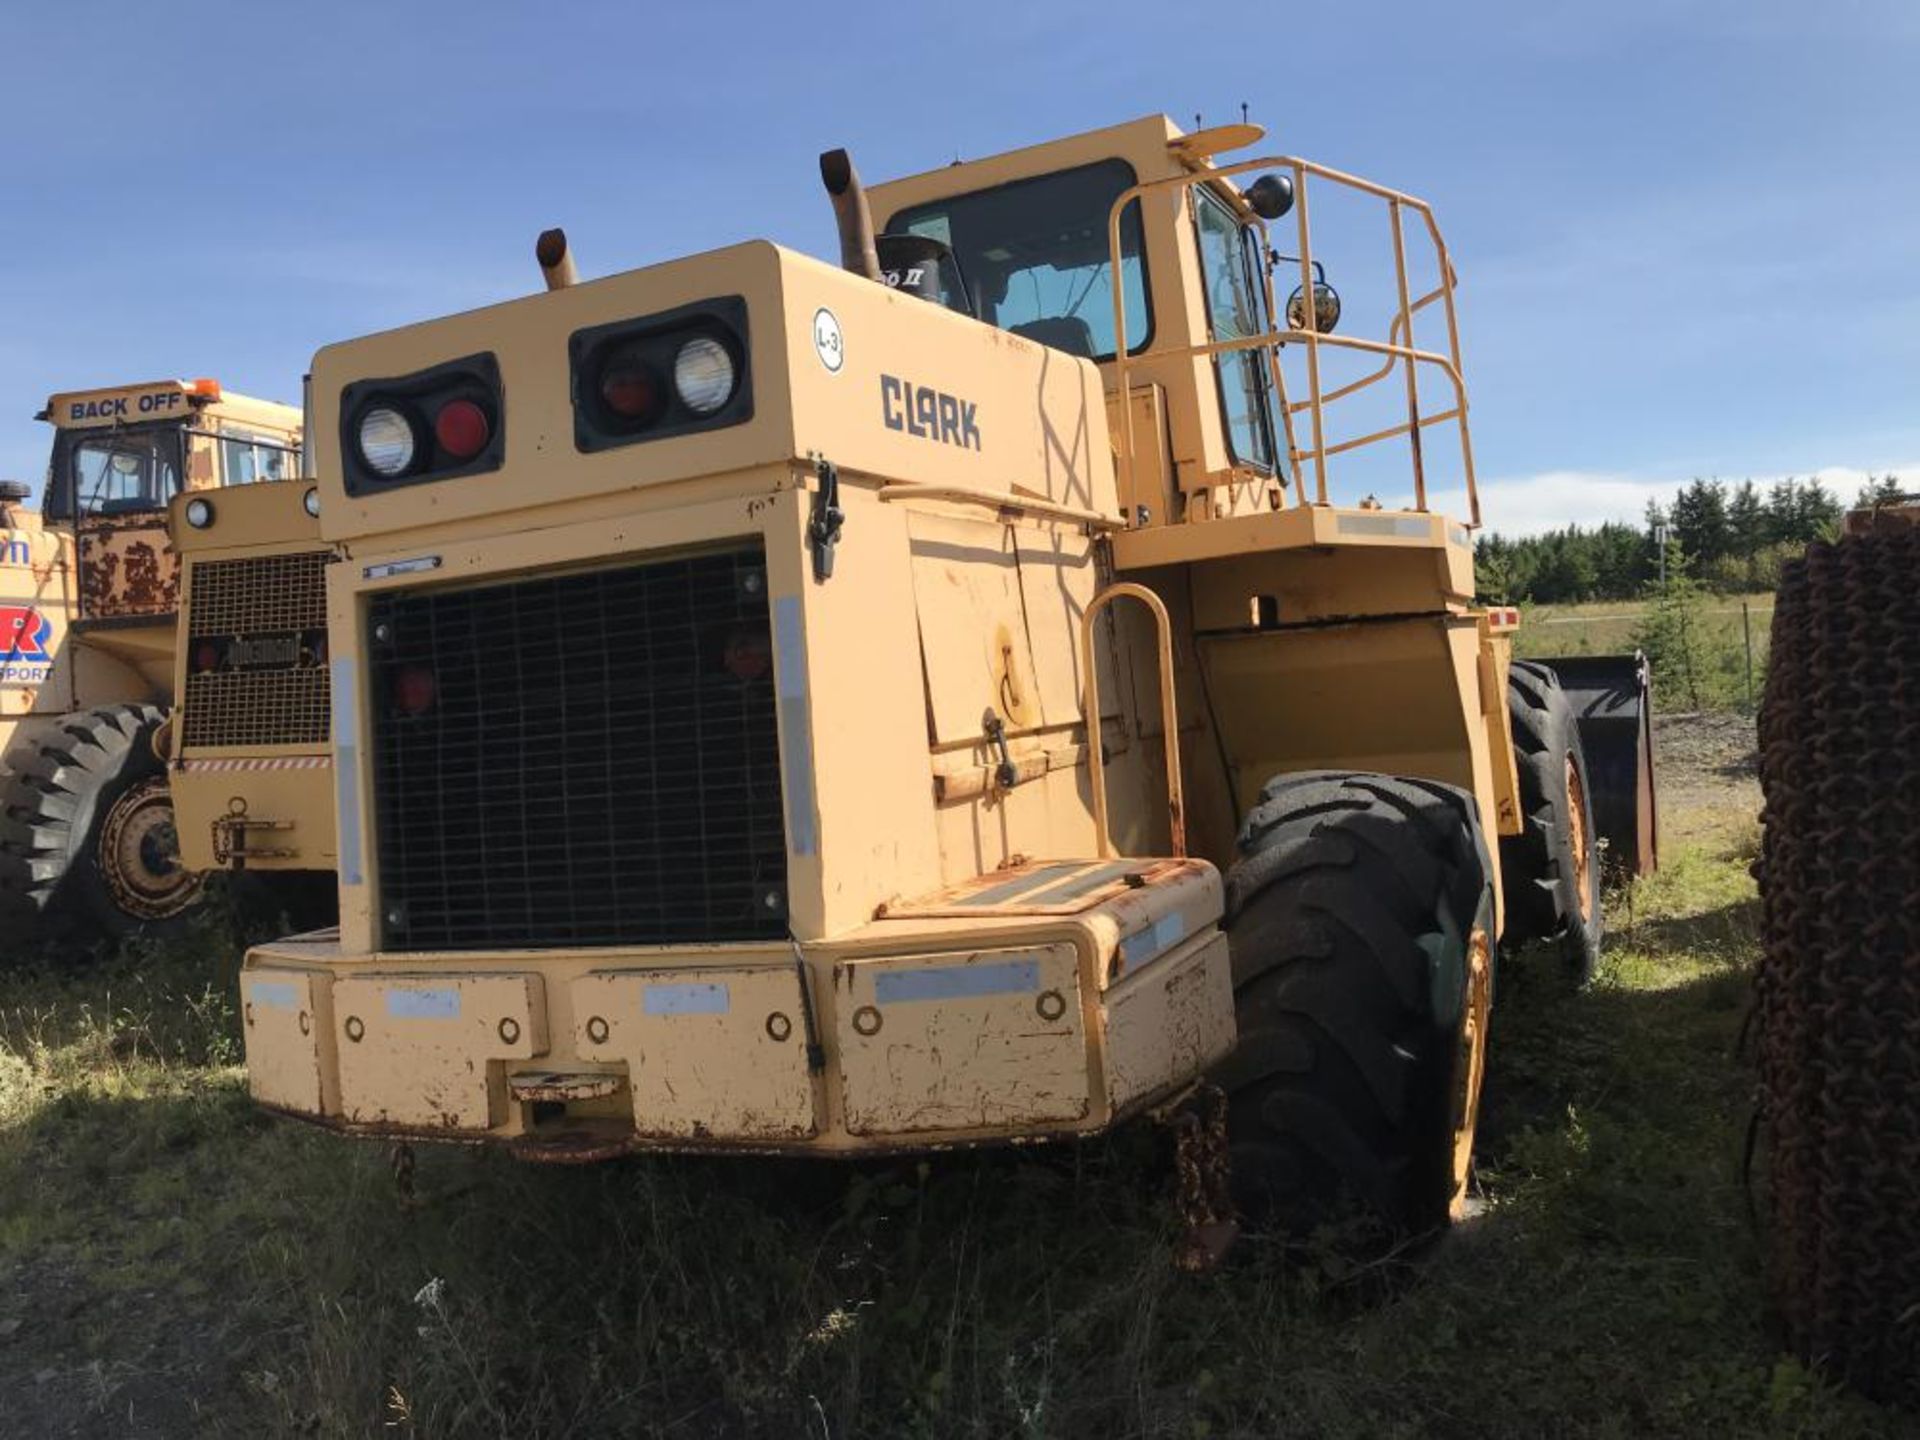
x: 1612, y: 705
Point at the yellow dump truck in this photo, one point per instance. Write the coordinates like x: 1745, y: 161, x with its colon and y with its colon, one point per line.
x: 969, y: 695
x: 89, y: 590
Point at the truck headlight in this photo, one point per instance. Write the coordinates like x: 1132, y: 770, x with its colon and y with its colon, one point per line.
x: 387, y: 442
x: 703, y: 375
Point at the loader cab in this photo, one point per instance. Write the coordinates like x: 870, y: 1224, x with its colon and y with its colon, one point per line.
x: 1030, y: 232
x: 121, y: 455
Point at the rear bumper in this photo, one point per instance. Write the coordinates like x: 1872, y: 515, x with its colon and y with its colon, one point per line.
x: 913, y: 1035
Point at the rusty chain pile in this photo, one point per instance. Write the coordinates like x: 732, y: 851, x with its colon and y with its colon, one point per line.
x: 1838, y: 987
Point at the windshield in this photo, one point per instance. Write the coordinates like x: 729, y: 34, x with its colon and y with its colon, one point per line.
x: 1236, y: 308
x: 115, y: 472
x: 1035, y: 255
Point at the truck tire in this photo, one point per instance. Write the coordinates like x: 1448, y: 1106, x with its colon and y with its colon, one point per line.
x: 87, y: 846
x: 1837, y: 990
x: 1359, y: 919
x: 1550, y: 872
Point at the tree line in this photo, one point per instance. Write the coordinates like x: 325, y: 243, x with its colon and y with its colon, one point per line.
x: 1730, y: 538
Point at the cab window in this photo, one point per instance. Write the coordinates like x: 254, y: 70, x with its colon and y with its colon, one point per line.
x: 116, y: 472
x: 1036, y: 259
x: 1230, y: 264
x: 246, y: 460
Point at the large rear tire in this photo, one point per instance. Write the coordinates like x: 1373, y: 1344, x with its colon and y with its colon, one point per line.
x: 1550, y: 872
x: 1837, y: 1016
x: 1359, y: 918
x: 87, y: 844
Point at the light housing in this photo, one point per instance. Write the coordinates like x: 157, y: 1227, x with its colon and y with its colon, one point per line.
x: 310, y: 502
x: 199, y: 512
x: 672, y: 373
x: 440, y: 423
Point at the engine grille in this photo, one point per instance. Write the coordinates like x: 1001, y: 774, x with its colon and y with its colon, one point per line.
x: 273, y: 605
x: 587, y: 759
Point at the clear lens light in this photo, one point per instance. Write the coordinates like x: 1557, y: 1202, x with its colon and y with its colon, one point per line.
x: 311, y: 500
x: 386, y: 441
x: 703, y: 375
x: 199, y: 513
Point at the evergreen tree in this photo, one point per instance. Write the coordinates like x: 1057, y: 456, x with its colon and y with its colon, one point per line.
x: 1700, y: 521
x: 1820, y: 512
x: 1747, y: 521
x: 1884, y: 490
x: 1783, y: 512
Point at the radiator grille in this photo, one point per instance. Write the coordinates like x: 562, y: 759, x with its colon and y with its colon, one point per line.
x: 588, y: 759
x: 238, y: 604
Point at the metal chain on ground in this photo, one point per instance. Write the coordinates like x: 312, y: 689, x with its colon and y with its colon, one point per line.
x: 1203, y: 1180
x: 1838, y: 986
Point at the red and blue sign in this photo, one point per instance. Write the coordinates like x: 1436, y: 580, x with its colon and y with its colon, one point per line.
x: 24, y: 635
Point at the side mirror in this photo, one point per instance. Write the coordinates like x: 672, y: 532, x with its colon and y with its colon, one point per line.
x: 1326, y: 308
x: 1271, y: 196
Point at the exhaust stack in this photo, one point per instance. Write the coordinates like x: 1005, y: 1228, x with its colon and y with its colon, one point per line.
x: 556, y: 260
x: 850, y: 211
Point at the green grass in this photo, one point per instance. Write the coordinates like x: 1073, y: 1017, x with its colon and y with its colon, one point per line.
x: 180, y: 1265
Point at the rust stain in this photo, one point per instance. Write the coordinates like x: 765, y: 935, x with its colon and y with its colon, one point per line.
x: 127, y: 570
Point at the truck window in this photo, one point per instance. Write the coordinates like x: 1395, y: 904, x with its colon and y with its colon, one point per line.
x: 1236, y: 309
x: 247, y: 459
x: 116, y: 472
x: 1035, y: 257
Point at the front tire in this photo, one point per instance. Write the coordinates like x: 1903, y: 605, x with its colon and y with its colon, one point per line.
x: 1550, y: 872
x: 87, y: 844
x: 1360, y: 924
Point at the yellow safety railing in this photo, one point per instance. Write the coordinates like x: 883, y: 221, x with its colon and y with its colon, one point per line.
x: 1169, y: 717
x: 1396, y: 352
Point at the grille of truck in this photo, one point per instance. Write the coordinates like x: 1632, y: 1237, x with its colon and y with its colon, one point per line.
x: 587, y: 759
x: 261, y: 622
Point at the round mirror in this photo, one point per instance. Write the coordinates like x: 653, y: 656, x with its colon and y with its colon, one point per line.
x: 1326, y: 308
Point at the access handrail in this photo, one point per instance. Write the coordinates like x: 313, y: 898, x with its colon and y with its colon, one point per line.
x: 1398, y: 350
x: 1096, y: 756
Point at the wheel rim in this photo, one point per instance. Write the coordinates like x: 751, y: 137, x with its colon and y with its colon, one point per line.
x: 1472, y: 1065
x: 140, y: 855
x: 1582, y: 857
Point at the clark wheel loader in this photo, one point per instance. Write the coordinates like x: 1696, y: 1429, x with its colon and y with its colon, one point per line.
x: 89, y: 594
x: 970, y: 695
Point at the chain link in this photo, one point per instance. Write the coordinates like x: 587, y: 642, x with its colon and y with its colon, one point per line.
x: 1203, y: 1180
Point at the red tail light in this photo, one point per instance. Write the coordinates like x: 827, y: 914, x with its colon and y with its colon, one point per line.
x: 415, y: 689
x: 206, y: 656
x: 632, y: 391
x: 462, y: 429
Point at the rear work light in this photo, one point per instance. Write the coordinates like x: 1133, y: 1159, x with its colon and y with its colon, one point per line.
x: 672, y: 373
x: 436, y: 424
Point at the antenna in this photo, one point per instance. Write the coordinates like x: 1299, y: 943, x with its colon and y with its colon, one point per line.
x: 1198, y: 123
x: 1243, y: 112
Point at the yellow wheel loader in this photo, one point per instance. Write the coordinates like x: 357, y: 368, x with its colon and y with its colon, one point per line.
x: 89, y: 590
x: 1009, y: 682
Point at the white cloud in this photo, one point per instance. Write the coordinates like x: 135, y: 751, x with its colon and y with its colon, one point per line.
x: 1529, y: 504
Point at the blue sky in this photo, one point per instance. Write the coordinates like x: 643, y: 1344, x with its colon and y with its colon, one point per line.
x: 1685, y: 229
